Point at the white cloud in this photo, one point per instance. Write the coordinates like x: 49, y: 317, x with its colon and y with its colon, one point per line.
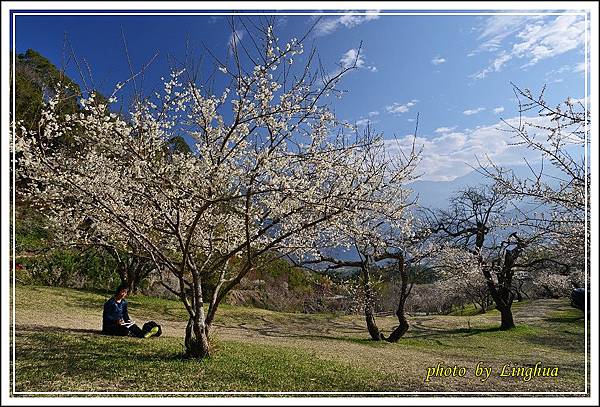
x: 541, y: 41
x: 557, y: 75
x: 532, y: 38
x: 352, y: 57
x: 363, y: 122
x: 580, y: 67
x: 327, y: 25
x: 438, y: 60
x: 355, y: 57
x: 235, y: 38
x: 444, y: 129
x: 496, y: 29
x: 373, y: 113
x: 495, y: 66
x: 499, y: 109
x: 470, y: 112
x: 563, y: 69
x: 454, y: 154
x: 281, y: 21
x: 397, y: 108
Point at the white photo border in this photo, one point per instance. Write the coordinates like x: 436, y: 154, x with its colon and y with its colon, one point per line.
x: 10, y: 10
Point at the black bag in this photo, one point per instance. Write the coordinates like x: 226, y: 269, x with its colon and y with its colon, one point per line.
x: 151, y: 324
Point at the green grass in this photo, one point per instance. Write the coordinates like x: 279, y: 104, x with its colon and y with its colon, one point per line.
x: 59, y: 348
x: 80, y: 363
x: 467, y: 310
x: 572, y: 315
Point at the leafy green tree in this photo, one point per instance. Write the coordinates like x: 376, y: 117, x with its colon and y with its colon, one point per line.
x: 36, y: 80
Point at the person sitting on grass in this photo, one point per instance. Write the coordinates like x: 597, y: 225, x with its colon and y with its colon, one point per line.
x: 115, y: 318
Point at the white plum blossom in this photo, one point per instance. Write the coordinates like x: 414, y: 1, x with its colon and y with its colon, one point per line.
x: 266, y: 168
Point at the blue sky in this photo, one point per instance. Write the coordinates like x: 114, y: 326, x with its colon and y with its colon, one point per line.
x: 455, y: 71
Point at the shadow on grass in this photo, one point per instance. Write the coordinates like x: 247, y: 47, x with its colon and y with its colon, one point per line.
x: 55, y: 360
x: 561, y: 341
x: 111, y: 345
x: 56, y: 329
x: 420, y: 331
x: 59, y: 361
x: 566, y: 319
x: 92, y: 346
x: 473, y: 331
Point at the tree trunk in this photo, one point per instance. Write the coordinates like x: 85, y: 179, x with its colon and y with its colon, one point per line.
x: 402, y: 327
x: 131, y: 274
x: 376, y: 335
x: 519, y: 295
x: 196, y: 340
x: 506, y: 321
x: 132, y: 286
x: 197, y: 345
x: 128, y: 280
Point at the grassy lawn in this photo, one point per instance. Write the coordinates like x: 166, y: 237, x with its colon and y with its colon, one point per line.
x: 59, y: 348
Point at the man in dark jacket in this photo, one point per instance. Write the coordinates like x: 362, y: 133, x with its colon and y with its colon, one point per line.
x: 115, y: 318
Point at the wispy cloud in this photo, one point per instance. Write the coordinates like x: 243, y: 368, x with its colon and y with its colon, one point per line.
x: 438, y: 60
x: 398, y: 108
x: 555, y: 75
x: 499, y: 109
x: 496, y: 29
x: 454, y: 154
x: 235, y: 38
x: 444, y: 129
x: 495, y: 66
x: 541, y: 41
x: 352, y: 57
x: 529, y: 38
x: 470, y: 112
x: 329, y: 24
x: 363, y: 122
x: 355, y: 57
x: 369, y: 118
x: 281, y: 21
x: 580, y: 67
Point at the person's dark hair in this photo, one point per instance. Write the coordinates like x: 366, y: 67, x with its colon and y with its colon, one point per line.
x: 121, y: 287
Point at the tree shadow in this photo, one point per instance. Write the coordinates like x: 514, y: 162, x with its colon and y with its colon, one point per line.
x: 57, y: 329
x: 473, y: 331
x: 79, y: 350
x: 566, y: 319
x: 430, y: 332
x: 572, y: 343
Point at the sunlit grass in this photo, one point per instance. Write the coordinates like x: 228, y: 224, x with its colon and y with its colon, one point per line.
x: 59, y: 348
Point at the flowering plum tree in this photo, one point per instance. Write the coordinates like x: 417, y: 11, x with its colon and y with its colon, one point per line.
x: 269, y: 164
x: 560, y: 137
x: 476, y: 221
x: 381, y: 232
x: 461, y: 277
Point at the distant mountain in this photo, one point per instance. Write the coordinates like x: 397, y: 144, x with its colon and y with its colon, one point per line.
x: 435, y: 194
